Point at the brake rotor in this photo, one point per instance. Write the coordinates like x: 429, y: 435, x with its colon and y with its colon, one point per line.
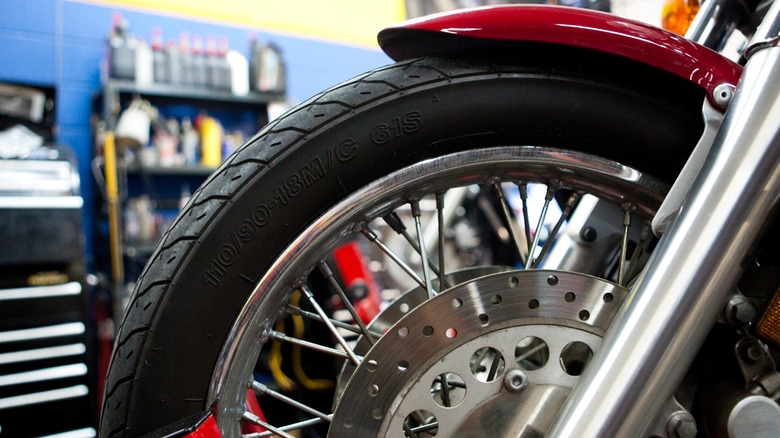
x: 495, y: 356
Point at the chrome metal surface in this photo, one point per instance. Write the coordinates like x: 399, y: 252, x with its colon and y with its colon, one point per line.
x: 670, y: 208
x: 754, y: 417
x: 683, y: 289
x: 474, y: 331
x: 767, y: 34
x: 610, y: 181
x: 714, y: 23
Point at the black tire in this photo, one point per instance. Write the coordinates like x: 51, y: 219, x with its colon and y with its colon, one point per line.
x: 302, y: 164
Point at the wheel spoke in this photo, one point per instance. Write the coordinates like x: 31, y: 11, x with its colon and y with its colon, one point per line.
x: 440, y: 221
x: 633, y: 265
x: 530, y: 353
x: 259, y: 388
x: 425, y: 427
x: 517, y: 239
x: 293, y: 426
x: 416, y: 213
x: 494, y: 367
x: 292, y: 310
x: 273, y: 334
x: 340, y: 339
x: 409, y: 432
x: 445, y: 390
x: 254, y: 419
x: 395, y: 222
x: 538, y: 231
x: 371, y: 235
x: 326, y: 271
x: 570, y: 204
x: 523, y: 188
x: 627, y: 209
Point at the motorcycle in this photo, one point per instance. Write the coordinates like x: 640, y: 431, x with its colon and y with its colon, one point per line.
x: 375, y: 262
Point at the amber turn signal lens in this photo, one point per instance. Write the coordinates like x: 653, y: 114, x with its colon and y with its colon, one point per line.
x: 769, y: 326
x: 678, y: 15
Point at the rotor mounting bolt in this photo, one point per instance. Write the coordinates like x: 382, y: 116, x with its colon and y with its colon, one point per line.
x: 515, y: 380
x: 681, y: 425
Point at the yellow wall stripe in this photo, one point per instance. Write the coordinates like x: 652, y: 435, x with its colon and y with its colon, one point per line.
x: 346, y: 21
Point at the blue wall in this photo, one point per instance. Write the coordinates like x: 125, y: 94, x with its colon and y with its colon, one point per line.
x: 61, y: 43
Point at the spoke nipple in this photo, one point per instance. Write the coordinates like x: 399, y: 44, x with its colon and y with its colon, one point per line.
x: 515, y: 380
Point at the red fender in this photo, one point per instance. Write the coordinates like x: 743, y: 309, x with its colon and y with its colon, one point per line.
x: 496, y: 26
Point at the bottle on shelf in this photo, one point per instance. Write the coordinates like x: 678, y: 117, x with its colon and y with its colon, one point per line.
x: 210, y: 141
x: 222, y: 76
x: 185, y: 55
x: 173, y: 63
x: 267, y: 67
x: 190, y: 141
x: 158, y: 57
x: 144, y: 63
x: 211, y: 62
x: 198, y: 62
x: 121, y: 50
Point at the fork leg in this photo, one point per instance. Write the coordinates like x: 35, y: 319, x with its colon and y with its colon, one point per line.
x: 681, y: 293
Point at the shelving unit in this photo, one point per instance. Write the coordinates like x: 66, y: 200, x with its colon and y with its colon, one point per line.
x: 116, y: 91
x: 163, y: 185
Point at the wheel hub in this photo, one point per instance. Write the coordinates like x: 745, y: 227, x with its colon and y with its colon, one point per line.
x: 495, y: 356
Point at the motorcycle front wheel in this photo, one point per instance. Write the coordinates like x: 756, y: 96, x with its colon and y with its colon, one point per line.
x: 461, y: 285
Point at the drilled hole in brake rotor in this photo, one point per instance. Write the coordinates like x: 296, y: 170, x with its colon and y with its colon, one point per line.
x: 575, y: 357
x: 532, y: 353
x: 487, y: 364
x: 448, y: 390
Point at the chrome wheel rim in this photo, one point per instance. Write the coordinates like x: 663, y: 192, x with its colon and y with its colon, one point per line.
x: 635, y: 194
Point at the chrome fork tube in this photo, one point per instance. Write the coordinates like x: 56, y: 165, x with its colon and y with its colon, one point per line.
x: 681, y: 293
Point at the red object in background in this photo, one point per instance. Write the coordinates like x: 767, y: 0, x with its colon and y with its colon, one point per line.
x: 207, y: 429
x: 253, y: 407
x: 355, y: 274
